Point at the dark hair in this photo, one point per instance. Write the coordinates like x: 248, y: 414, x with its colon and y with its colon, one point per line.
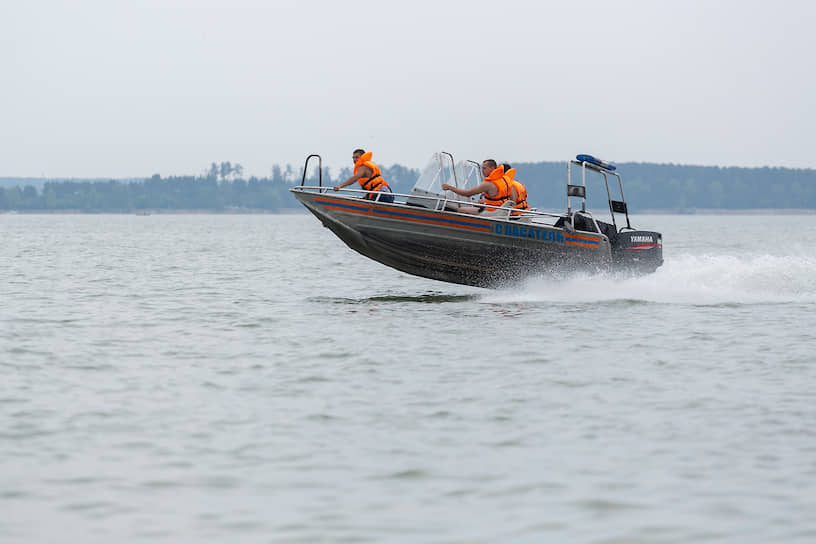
x: 506, y: 166
x: 360, y: 151
x: 490, y: 162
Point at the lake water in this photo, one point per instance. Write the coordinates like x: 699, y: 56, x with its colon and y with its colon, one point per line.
x: 248, y: 378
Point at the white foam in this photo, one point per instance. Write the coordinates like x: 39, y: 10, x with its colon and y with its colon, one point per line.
x: 687, y: 279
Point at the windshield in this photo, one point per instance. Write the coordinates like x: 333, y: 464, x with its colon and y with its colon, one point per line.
x: 441, y: 169
x: 468, y: 174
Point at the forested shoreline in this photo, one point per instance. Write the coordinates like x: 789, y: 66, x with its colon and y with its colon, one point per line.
x: 647, y: 186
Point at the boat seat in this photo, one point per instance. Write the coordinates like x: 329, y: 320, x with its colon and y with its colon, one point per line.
x: 581, y: 222
x: 522, y: 218
x: 609, y: 230
x: 502, y: 212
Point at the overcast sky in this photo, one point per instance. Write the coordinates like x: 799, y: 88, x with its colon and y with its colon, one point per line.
x: 107, y: 88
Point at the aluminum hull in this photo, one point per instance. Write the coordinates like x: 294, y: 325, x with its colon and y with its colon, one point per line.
x: 454, y: 247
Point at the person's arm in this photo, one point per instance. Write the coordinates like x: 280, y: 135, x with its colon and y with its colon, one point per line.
x: 365, y: 172
x: 484, y: 187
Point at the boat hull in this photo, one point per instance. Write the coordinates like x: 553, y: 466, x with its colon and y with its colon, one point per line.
x: 455, y: 247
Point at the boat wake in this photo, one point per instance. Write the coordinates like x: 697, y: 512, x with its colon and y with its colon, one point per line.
x: 685, y: 279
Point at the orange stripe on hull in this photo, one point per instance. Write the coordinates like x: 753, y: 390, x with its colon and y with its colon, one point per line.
x: 582, y: 244
x: 405, y: 215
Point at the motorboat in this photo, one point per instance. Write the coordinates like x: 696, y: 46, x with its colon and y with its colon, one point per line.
x: 426, y: 233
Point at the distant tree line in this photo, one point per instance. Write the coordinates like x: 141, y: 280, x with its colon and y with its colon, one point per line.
x: 222, y: 188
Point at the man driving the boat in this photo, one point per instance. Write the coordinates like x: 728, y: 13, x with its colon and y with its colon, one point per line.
x: 495, y: 188
x: 367, y: 174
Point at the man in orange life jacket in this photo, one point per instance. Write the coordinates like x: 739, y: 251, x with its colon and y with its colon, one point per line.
x: 367, y: 174
x: 495, y: 187
x: 518, y: 192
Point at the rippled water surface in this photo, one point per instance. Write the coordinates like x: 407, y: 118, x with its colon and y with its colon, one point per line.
x: 190, y: 378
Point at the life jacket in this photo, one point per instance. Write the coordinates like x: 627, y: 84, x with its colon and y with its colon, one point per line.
x: 521, y: 191
x: 375, y: 182
x: 502, y: 184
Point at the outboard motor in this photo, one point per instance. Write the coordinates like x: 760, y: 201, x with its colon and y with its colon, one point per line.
x: 639, y: 250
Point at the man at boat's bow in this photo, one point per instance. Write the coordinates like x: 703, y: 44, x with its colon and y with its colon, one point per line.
x: 367, y: 174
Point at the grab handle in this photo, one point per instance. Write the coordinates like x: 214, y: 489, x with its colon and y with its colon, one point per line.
x: 319, y: 169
